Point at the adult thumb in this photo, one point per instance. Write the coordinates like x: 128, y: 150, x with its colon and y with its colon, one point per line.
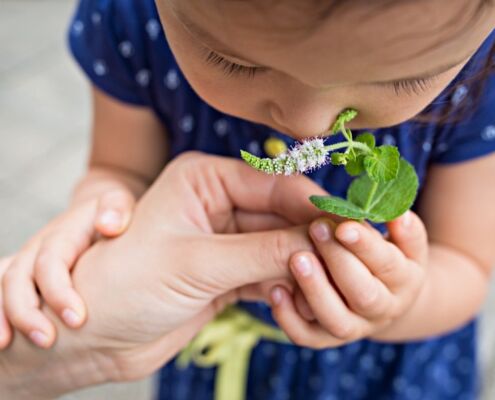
x: 246, y: 258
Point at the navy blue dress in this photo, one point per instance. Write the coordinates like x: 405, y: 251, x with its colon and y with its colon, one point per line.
x: 121, y: 47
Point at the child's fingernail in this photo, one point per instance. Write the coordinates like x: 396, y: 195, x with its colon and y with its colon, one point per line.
x: 349, y: 235
x: 39, y: 338
x: 277, y: 296
x: 71, y: 317
x: 111, y: 219
x: 406, y: 219
x: 321, y: 231
x: 303, y: 265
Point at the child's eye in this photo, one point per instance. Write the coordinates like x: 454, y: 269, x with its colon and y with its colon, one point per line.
x: 228, y: 67
x: 410, y: 86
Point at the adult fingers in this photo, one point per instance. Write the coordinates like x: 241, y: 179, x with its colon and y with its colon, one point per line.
x: 225, y: 183
x: 255, y: 222
x: 241, y: 259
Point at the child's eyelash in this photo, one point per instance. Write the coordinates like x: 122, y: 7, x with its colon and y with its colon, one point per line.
x: 228, y: 67
x: 411, y: 86
x: 408, y: 86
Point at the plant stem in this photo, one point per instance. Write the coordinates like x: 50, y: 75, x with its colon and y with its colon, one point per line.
x: 343, y: 145
x: 371, y: 194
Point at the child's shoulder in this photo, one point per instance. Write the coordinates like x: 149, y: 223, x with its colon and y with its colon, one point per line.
x: 121, y: 46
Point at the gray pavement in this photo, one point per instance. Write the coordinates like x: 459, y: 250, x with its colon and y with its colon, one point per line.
x: 44, y: 125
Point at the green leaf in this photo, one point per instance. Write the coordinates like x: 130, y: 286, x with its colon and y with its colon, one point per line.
x: 366, y: 138
x: 391, y: 199
x: 338, y: 158
x: 343, y: 118
x: 339, y: 206
x: 355, y: 166
x: 383, y: 164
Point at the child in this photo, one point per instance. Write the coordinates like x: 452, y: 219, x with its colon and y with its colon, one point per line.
x: 261, y: 70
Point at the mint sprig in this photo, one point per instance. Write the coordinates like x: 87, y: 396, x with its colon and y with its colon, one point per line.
x: 377, y: 202
x: 386, y: 186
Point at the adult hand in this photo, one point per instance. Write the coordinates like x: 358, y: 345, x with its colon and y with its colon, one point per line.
x: 182, y: 259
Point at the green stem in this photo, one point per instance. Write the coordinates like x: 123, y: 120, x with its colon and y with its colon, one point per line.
x: 343, y: 145
x: 371, y: 194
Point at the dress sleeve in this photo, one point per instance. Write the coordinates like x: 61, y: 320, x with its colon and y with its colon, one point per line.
x: 108, y: 39
x: 474, y: 134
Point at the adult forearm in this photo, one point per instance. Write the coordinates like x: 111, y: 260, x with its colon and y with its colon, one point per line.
x: 453, y: 294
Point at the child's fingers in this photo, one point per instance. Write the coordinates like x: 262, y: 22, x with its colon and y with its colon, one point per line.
x: 5, y: 331
x: 56, y: 257
x: 409, y: 235
x: 22, y: 302
x: 302, y: 306
x: 114, y: 212
x: 364, y: 293
x: 299, y: 330
x: 328, y: 307
x: 385, y: 261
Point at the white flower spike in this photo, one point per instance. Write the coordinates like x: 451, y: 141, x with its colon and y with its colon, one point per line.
x: 304, y: 157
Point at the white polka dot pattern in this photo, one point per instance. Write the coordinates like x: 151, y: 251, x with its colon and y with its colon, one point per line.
x: 153, y: 28
x: 172, y: 80
x: 186, y: 124
x: 143, y: 77
x: 100, y: 68
x: 488, y: 133
x: 126, y: 49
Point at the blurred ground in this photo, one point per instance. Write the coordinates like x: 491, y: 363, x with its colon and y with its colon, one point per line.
x: 44, y: 115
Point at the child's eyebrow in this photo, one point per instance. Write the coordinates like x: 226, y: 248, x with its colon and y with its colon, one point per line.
x: 207, y: 38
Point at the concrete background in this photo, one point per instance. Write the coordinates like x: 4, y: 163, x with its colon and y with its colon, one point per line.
x: 44, y: 125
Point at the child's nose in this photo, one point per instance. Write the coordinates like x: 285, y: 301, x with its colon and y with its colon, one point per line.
x: 302, y: 119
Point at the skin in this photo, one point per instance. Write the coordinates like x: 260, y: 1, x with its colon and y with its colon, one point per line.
x: 309, y: 79
x: 303, y: 80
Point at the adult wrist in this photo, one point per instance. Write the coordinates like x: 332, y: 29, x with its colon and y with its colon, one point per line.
x: 30, y: 373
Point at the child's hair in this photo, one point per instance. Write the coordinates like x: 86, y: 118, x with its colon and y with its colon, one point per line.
x: 316, y: 11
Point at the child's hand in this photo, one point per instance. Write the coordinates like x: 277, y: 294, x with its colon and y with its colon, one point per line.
x: 367, y: 283
x: 45, y: 263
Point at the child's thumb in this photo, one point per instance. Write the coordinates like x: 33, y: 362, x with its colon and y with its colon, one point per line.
x: 243, y: 259
x: 114, y: 212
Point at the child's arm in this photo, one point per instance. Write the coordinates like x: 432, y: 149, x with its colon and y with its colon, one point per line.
x: 129, y: 150
x: 416, y: 288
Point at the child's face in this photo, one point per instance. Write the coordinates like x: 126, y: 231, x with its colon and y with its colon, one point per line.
x: 267, y: 65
